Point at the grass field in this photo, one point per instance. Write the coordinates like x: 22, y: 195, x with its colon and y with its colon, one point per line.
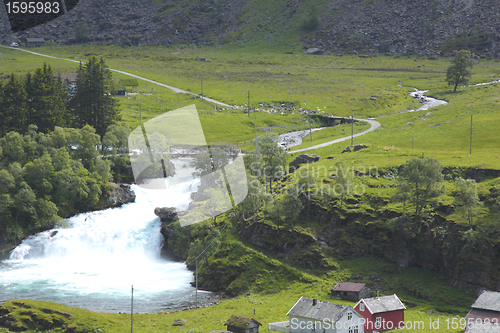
x: 272, y: 307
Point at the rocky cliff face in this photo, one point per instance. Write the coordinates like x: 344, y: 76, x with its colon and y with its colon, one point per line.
x: 426, y: 27
x: 439, y: 246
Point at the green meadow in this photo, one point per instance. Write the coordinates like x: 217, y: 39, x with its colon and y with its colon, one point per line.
x: 342, y: 86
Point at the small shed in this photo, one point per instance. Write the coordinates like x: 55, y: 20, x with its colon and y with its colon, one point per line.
x: 119, y: 89
x: 381, y: 313
x: 242, y: 324
x: 486, y: 309
x: 35, y: 42
x: 351, y: 291
x: 130, y: 82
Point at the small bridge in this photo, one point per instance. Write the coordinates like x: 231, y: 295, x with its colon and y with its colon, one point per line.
x: 193, y: 150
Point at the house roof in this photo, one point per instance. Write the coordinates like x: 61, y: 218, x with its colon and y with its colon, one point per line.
x: 304, y: 308
x: 382, y: 304
x: 35, y: 39
x: 488, y: 300
x: 348, y: 286
x: 241, y: 321
x: 129, y: 82
x: 70, y: 76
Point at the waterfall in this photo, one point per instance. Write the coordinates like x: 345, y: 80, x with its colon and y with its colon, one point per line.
x: 93, y: 260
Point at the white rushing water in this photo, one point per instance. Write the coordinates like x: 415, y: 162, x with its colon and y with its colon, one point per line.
x: 93, y: 262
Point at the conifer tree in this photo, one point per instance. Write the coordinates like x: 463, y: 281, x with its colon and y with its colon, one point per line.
x: 93, y: 103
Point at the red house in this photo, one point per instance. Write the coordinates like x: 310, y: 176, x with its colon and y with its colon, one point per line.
x: 381, y: 313
x: 484, y: 316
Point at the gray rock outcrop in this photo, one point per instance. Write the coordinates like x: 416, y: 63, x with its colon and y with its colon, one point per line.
x: 302, y: 159
x: 166, y: 214
x: 120, y: 195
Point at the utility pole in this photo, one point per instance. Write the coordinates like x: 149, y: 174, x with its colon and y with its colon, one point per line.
x: 197, y: 282
x: 201, y: 88
x: 352, y: 128
x: 248, y: 105
x: 132, y: 311
x: 256, y: 146
x: 310, y: 131
x: 470, y: 147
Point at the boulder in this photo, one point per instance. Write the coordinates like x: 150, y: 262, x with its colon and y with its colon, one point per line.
x: 355, y: 148
x: 202, y: 59
x: 120, y: 194
x: 166, y: 214
x: 302, y: 159
x: 359, y: 147
x: 179, y: 322
x: 316, y: 51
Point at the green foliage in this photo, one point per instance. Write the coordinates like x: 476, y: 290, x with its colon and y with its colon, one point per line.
x: 467, y: 198
x: 41, y: 176
x: 115, y: 141
x: 274, y: 157
x: 420, y: 181
x: 256, y: 197
x: 93, y: 103
x: 343, y: 180
x: 46, y: 99
x: 458, y: 72
x: 39, y: 99
x: 13, y: 108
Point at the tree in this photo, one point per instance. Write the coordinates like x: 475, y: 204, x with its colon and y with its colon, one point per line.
x: 458, y: 72
x: 286, y: 207
x: 343, y: 179
x: 93, y: 103
x: 13, y: 147
x: 203, y: 233
x: 403, y: 193
x: 292, y: 206
x: 423, y: 176
x: 87, y: 147
x: 45, y: 99
x: 467, y: 199
x: 273, y: 156
x: 13, y: 108
x: 115, y: 141
x: 38, y: 174
x: 256, y: 198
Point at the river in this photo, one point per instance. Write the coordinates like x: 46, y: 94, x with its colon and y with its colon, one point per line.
x: 94, y: 259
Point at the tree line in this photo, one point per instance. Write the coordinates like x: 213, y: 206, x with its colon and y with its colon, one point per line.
x: 45, y: 177
x: 42, y: 98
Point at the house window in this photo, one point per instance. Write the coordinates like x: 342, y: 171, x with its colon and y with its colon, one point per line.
x: 378, y: 322
x: 349, y: 315
x: 361, y: 306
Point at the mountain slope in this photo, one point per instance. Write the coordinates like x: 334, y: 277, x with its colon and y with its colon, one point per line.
x: 408, y: 27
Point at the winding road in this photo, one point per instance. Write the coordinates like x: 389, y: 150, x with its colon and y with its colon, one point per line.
x: 428, y: 102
